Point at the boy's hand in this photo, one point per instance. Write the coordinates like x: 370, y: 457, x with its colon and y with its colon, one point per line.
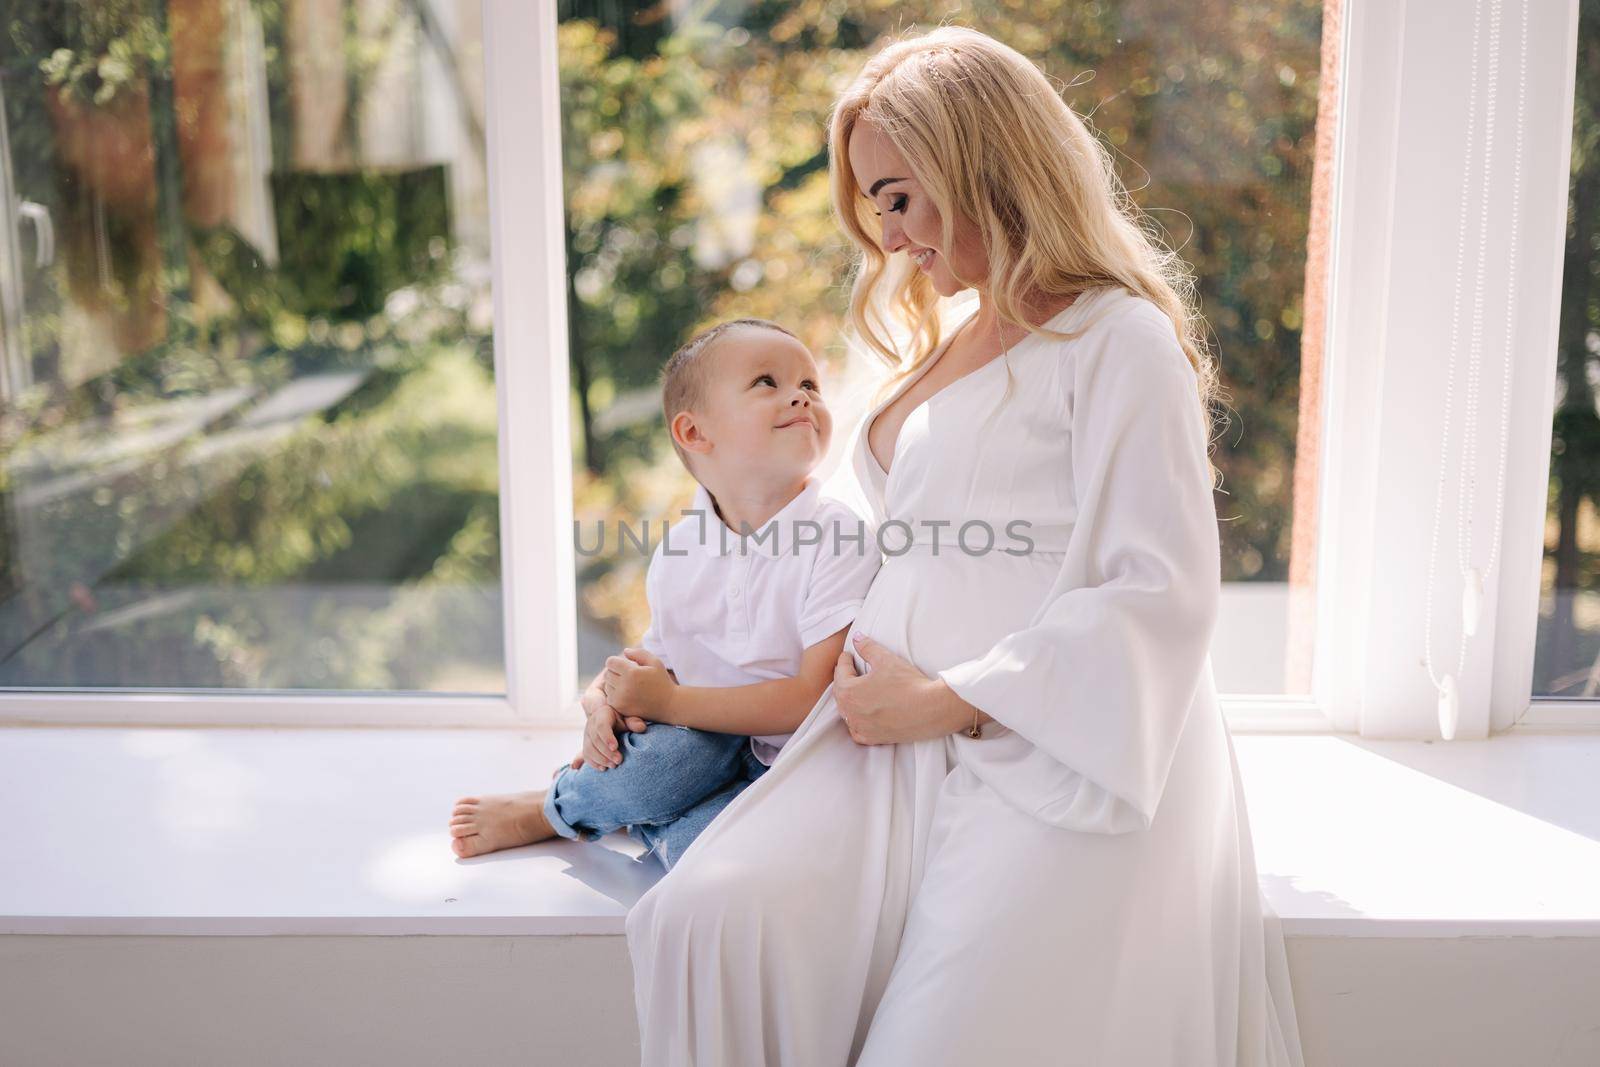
x: 606, y: 714
x: 637, y: 683
x: 600, y: 746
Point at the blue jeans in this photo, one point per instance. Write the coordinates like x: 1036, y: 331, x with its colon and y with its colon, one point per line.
x: 671, y: 783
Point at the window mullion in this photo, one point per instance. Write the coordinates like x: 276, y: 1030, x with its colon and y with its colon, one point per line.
x: 1547, y: 163
x: 530, y: 347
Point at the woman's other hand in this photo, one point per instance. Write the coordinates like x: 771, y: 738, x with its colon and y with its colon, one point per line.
x: 893, y: 701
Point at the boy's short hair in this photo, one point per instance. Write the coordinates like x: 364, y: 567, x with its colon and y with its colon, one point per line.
x: 685, y: 376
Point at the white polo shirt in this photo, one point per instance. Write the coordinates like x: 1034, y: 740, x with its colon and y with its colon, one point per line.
x: 726, y: 610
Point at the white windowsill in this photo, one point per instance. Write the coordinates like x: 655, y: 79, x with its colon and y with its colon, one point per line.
x: 283, y: 831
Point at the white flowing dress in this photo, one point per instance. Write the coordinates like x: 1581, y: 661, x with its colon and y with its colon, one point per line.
x: 1079, y: 885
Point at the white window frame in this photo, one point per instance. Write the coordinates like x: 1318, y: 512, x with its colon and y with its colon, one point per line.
x: 523, y: 128
x: 1404, y: 152
x: 1533, y: 401
x: 1402, y: 140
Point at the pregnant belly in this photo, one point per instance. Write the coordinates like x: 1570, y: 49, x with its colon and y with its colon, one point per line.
x: 938, y: 611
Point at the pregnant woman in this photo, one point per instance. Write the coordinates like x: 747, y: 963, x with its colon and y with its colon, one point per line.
x: 1012, y: 831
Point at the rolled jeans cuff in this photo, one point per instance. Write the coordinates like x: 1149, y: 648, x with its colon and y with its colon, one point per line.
x: 553, y: 817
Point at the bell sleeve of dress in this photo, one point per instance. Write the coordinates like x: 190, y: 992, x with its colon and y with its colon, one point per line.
x: 1102, y: 679
x: 846, y: 561
x: 652, y: 641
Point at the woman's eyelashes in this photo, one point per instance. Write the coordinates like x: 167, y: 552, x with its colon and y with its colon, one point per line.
x: 896, y: 203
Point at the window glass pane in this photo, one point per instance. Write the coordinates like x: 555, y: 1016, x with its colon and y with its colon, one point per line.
x: 696, y: 190
x: 248, y: 434
x: 1567, y: 657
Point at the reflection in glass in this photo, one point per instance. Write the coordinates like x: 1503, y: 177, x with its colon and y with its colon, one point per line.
x: 1567, y: 656
x: 247, y: 406
x: 696, y: 190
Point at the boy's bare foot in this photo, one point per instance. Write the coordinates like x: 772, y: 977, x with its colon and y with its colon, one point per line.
x: 504, y: 820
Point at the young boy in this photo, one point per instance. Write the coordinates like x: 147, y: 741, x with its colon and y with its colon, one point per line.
x: 750, y: 597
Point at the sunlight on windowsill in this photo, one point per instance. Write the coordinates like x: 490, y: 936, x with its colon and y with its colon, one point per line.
x: 1410, y: 838
x: 281, y: 831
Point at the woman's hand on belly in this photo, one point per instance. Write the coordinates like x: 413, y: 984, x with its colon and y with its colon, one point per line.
x: 894, y: 701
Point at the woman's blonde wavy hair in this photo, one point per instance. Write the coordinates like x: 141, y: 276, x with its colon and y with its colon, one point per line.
x: 989, y: 138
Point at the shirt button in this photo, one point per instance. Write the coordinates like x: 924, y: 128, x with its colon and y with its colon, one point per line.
x: 735, y: 593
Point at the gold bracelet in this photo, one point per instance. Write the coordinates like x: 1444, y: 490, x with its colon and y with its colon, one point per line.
x: 976, y: 732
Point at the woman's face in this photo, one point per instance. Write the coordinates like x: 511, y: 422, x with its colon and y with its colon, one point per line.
x: 911, y: 221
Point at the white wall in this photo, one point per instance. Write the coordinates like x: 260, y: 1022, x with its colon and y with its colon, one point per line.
x: 397, y: 1001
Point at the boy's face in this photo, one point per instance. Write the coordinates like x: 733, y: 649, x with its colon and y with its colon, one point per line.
x: 763, y: 414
